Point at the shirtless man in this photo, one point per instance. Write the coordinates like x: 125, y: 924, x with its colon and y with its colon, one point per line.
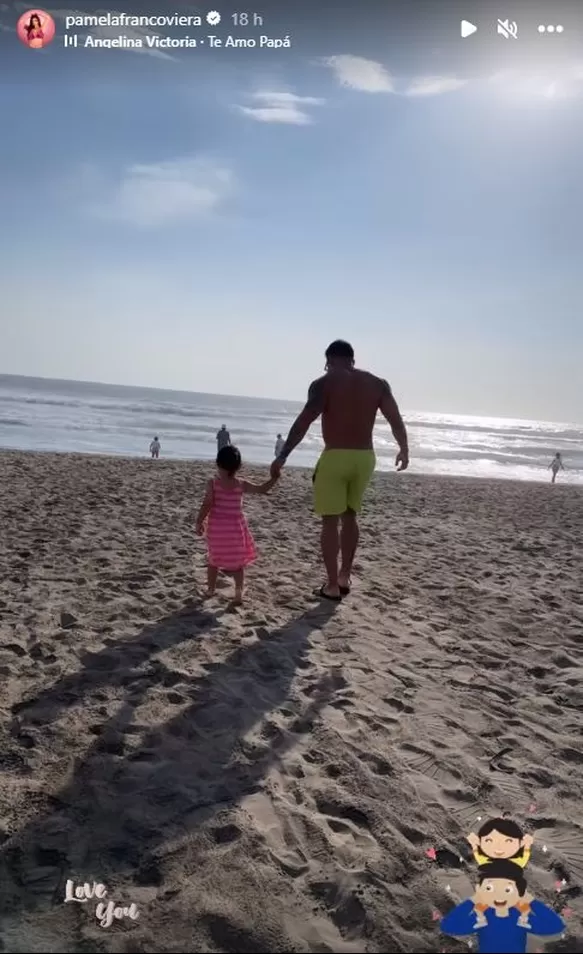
x: 348, y: 400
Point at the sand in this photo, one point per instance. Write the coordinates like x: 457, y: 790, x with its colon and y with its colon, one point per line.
x: 272, y: 777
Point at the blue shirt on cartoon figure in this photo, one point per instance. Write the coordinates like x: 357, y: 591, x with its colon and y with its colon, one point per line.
x: 502, y: 886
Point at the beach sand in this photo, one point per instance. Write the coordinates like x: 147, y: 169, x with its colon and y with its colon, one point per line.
x: 271, y: 778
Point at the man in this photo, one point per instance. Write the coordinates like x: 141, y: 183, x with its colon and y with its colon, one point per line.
x: 155, y: 449
x: 502, y: 896
x: 348, y: 400
x: 279, y: 445
x: 556, y: 465
x: 223, y: 438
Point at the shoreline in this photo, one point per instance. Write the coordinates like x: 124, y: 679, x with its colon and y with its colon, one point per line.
x: 296, y: 468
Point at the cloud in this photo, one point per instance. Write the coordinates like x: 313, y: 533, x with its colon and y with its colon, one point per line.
x: 281, y: 108
x: 165, y: 193
x: 433, y: 85
x: 368, y: 76
x: 360, y: 73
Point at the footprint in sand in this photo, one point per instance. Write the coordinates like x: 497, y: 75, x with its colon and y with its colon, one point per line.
x: 377, y: 765
x: 398, y: 704
x: 14, y: 648
x: 226, y: 834
x: 345, y: 909
x: 343, y: 812
x: 175, y: 698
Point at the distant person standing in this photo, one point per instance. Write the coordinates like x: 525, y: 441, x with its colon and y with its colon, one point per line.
x: 556, y: 465
x: 155, y: 449
x: 223, y: 438
x: 279, y: 445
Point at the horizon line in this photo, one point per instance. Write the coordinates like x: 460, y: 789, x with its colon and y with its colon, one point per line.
x: 252, y: 397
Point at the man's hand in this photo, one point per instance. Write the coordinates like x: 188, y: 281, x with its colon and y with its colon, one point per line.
x: 275, y: 469
x: 402, y: 460
x: 200, y: 529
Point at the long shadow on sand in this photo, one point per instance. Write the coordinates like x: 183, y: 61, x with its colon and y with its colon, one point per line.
x: 138, y: 787
x: 119, y: 664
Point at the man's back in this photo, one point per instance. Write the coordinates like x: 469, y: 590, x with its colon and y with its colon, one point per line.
x: 223, y: 438
x: 350, y: 400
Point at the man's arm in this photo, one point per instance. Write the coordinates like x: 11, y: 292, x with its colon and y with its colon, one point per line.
x: 390, y: 410
x: 460, y: 921
x: 544, y: 921
x: 312, y: 410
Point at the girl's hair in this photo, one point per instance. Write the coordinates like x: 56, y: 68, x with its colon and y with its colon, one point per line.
x: 31, y: 26
x: 505, y: 827
x: 229, y: 459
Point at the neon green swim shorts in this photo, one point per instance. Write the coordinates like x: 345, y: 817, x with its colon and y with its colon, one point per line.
x: 340, y: 480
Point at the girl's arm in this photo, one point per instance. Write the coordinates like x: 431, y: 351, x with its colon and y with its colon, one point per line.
x: 205, y: 507
x: 264, y: 488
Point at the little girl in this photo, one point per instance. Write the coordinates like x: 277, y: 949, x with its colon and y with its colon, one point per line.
x: 497, y: 839
x: 230, y: 545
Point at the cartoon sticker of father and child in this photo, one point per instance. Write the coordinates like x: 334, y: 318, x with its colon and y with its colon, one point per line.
x: 502, y: 913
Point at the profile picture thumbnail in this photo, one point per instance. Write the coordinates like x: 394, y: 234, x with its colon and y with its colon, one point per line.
x: 36, y: 29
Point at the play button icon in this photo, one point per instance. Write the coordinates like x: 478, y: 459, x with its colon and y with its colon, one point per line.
x: 467, y: 28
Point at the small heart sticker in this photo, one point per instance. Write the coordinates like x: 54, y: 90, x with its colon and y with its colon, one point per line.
x: 431, y: 853
x: 435, y: 915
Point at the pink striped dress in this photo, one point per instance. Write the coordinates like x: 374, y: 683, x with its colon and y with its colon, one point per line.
x: 230, y: 544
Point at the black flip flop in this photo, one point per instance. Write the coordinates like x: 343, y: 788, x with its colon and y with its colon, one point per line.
x: 321, y: 594
x: 344, y: 590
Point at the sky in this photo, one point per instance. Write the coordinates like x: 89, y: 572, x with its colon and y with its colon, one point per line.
x: 209, y: 220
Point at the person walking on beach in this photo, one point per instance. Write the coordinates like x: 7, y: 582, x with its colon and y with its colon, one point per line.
x: 556, y: 465
x: 223, y: 438
x: 155, y: 449
x: 348, y: 399
x: 279, y: 445
x: 231, y: 547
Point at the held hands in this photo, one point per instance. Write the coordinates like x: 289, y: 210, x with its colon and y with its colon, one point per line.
x: 275, y: 469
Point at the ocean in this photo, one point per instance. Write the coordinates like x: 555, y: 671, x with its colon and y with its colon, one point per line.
x: 72, y: 416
